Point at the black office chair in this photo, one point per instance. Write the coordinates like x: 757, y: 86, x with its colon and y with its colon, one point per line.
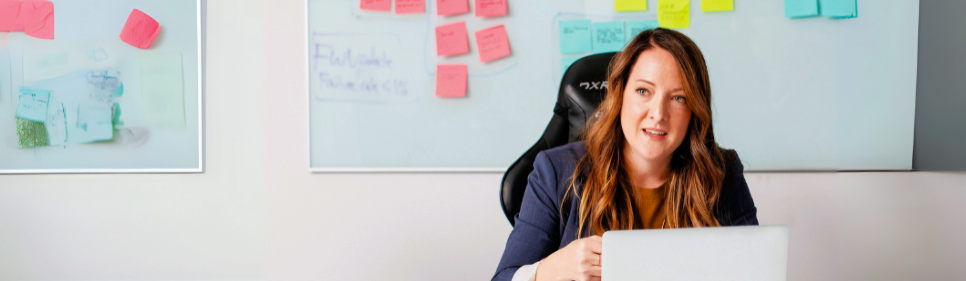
x: 583, y: 87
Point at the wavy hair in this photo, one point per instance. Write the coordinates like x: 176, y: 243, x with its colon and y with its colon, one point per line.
x: 697, y: 168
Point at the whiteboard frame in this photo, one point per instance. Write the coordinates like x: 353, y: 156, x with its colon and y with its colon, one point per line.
x: 200, y: 6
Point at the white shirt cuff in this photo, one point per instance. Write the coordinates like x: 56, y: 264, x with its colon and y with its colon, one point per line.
x: 526, y: 272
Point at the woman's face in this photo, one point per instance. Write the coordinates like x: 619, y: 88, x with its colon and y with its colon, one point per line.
x: 654, y: 112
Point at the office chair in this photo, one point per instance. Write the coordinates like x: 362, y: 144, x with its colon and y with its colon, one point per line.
x: 583, y: 87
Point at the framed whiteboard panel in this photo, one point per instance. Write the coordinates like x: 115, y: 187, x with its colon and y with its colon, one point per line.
x: 86, y: 40
x: 812, y: 94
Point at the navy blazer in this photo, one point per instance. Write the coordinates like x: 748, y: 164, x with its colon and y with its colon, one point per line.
x: 541, y: 229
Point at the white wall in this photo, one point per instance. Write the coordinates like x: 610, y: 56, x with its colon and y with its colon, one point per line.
x: 256, y: 213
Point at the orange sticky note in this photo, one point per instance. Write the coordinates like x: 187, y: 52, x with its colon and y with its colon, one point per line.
x: 492, y: 43
x: 410, y: 6
x: 450, y: 80
x: 451, y: 39
x: 451, y: 7
x: 140, y: 30
x: 375, y: 5
x: 490, y: 8
x: 9, y: 16
x: 37, y: 17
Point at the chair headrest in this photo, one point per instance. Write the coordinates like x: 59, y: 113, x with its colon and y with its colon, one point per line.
x: 583, y: 87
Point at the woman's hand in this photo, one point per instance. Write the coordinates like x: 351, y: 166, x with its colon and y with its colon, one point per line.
x: 579, y: 260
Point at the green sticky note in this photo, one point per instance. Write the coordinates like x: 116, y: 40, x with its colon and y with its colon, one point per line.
x: 32, y: 104
x: 717, y: 5
x: 575, y: 37
x: 608, y: 36
x: 565, y: 64
x: 31, y: 133
x: 162, y: 90
x: 839, y: 9
x: 674, y: 13
x: 636, y: 27
x: 630, y: 5
x: 801, y: 8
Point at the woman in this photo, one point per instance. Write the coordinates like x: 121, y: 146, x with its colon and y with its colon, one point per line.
x: 649, y: 160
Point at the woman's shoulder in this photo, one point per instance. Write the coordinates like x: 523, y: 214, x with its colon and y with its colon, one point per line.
x: 566, y: 155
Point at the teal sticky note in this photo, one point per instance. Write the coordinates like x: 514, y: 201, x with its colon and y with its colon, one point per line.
x: 90, y: 124
x: 636, y: 27
x: 801, y: 8
x: 32, y: 104
x: 608, y: 36
x: 575, y: 37
x: 839, y: 9
x: 565, y: 64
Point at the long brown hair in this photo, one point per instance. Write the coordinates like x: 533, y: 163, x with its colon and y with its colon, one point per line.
x: 697, y: 165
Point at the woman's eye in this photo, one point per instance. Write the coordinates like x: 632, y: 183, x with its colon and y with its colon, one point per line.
x: 642, y: 92
x: 679, y: 99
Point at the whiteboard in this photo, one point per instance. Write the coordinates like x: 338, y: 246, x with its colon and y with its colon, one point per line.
x: 86, y: 40
x: 788, y: 94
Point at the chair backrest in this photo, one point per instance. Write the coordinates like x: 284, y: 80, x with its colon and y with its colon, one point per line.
x: 583, y: 87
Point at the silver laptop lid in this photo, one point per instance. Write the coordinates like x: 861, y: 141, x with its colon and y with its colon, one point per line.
x: 711, y: 253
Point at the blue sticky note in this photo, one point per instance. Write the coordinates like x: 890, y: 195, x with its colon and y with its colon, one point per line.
x: 801, y: 8
x: 32, y: 104
x: 575, y: 37
x: 565, y: 64
x: 839, y: 9
x: 636, y: 27
x: 608, y: 36
x: 92, y: 124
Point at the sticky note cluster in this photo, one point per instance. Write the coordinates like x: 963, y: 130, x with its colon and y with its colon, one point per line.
x: 375, y: 5
x: 451, y: 80
x: 33, y: 17
x: 836, y: 9
x: 140, y: 30
x: 580, y: 36
x: 674, y: 13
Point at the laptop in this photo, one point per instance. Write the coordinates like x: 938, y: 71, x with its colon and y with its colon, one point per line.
x: 711, y: 253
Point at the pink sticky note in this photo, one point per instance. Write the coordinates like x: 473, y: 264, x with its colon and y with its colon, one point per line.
x: 140, y: 29
x: 492, y: 43
x: 451, y: 7
x: 490, y: 8
x: 410, y: 6
x: 451, y: 39
x: 37, y: 17
x: 375, y: 5
x: 10, y: 16
x: 450, y: 80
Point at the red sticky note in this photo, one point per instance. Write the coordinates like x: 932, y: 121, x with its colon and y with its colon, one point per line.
x: 492, y: 43
x: 140, y: 29
x: 450, y: 80
x: 490, y: 8
x: 37, y: 17
x: 451, y: 7
x: 451, y: 39
x: 410, y: 6
x: 375, y: 5
x: 10, y: 16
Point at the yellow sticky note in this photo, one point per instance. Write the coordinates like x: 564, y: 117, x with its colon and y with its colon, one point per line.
x: 717, y: 5
x: 630, y: 5
x: 674, y: 13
